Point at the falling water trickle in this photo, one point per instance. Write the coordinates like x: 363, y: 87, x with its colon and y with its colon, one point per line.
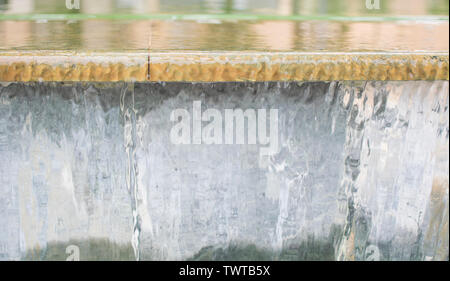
x: 127, y: 106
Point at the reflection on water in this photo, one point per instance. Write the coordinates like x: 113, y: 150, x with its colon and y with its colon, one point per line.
x: 101, y: 35
x: 226, y: 33
x: 300, y: 36
x: 275, y: 7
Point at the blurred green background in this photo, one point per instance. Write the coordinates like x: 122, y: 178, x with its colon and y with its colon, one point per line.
x: 231, y: 25
x: 236, y: 7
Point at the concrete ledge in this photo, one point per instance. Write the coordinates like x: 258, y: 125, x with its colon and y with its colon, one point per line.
x: 200, y: 66
x: 72, y: 66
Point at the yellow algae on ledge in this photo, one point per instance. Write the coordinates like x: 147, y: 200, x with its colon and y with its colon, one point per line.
x: 79, y: 72
x: 222, y: 66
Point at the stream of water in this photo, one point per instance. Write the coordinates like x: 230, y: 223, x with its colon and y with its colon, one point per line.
x: 360, y: 172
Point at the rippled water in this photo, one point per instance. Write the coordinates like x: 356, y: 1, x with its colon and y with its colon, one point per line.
x: 361, y: 173
x: 157, y: 35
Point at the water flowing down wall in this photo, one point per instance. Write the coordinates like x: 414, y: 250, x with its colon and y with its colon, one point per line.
x: 360, y: 172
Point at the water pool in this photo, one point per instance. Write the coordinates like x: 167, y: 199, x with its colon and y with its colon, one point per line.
x: 224, y: 136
